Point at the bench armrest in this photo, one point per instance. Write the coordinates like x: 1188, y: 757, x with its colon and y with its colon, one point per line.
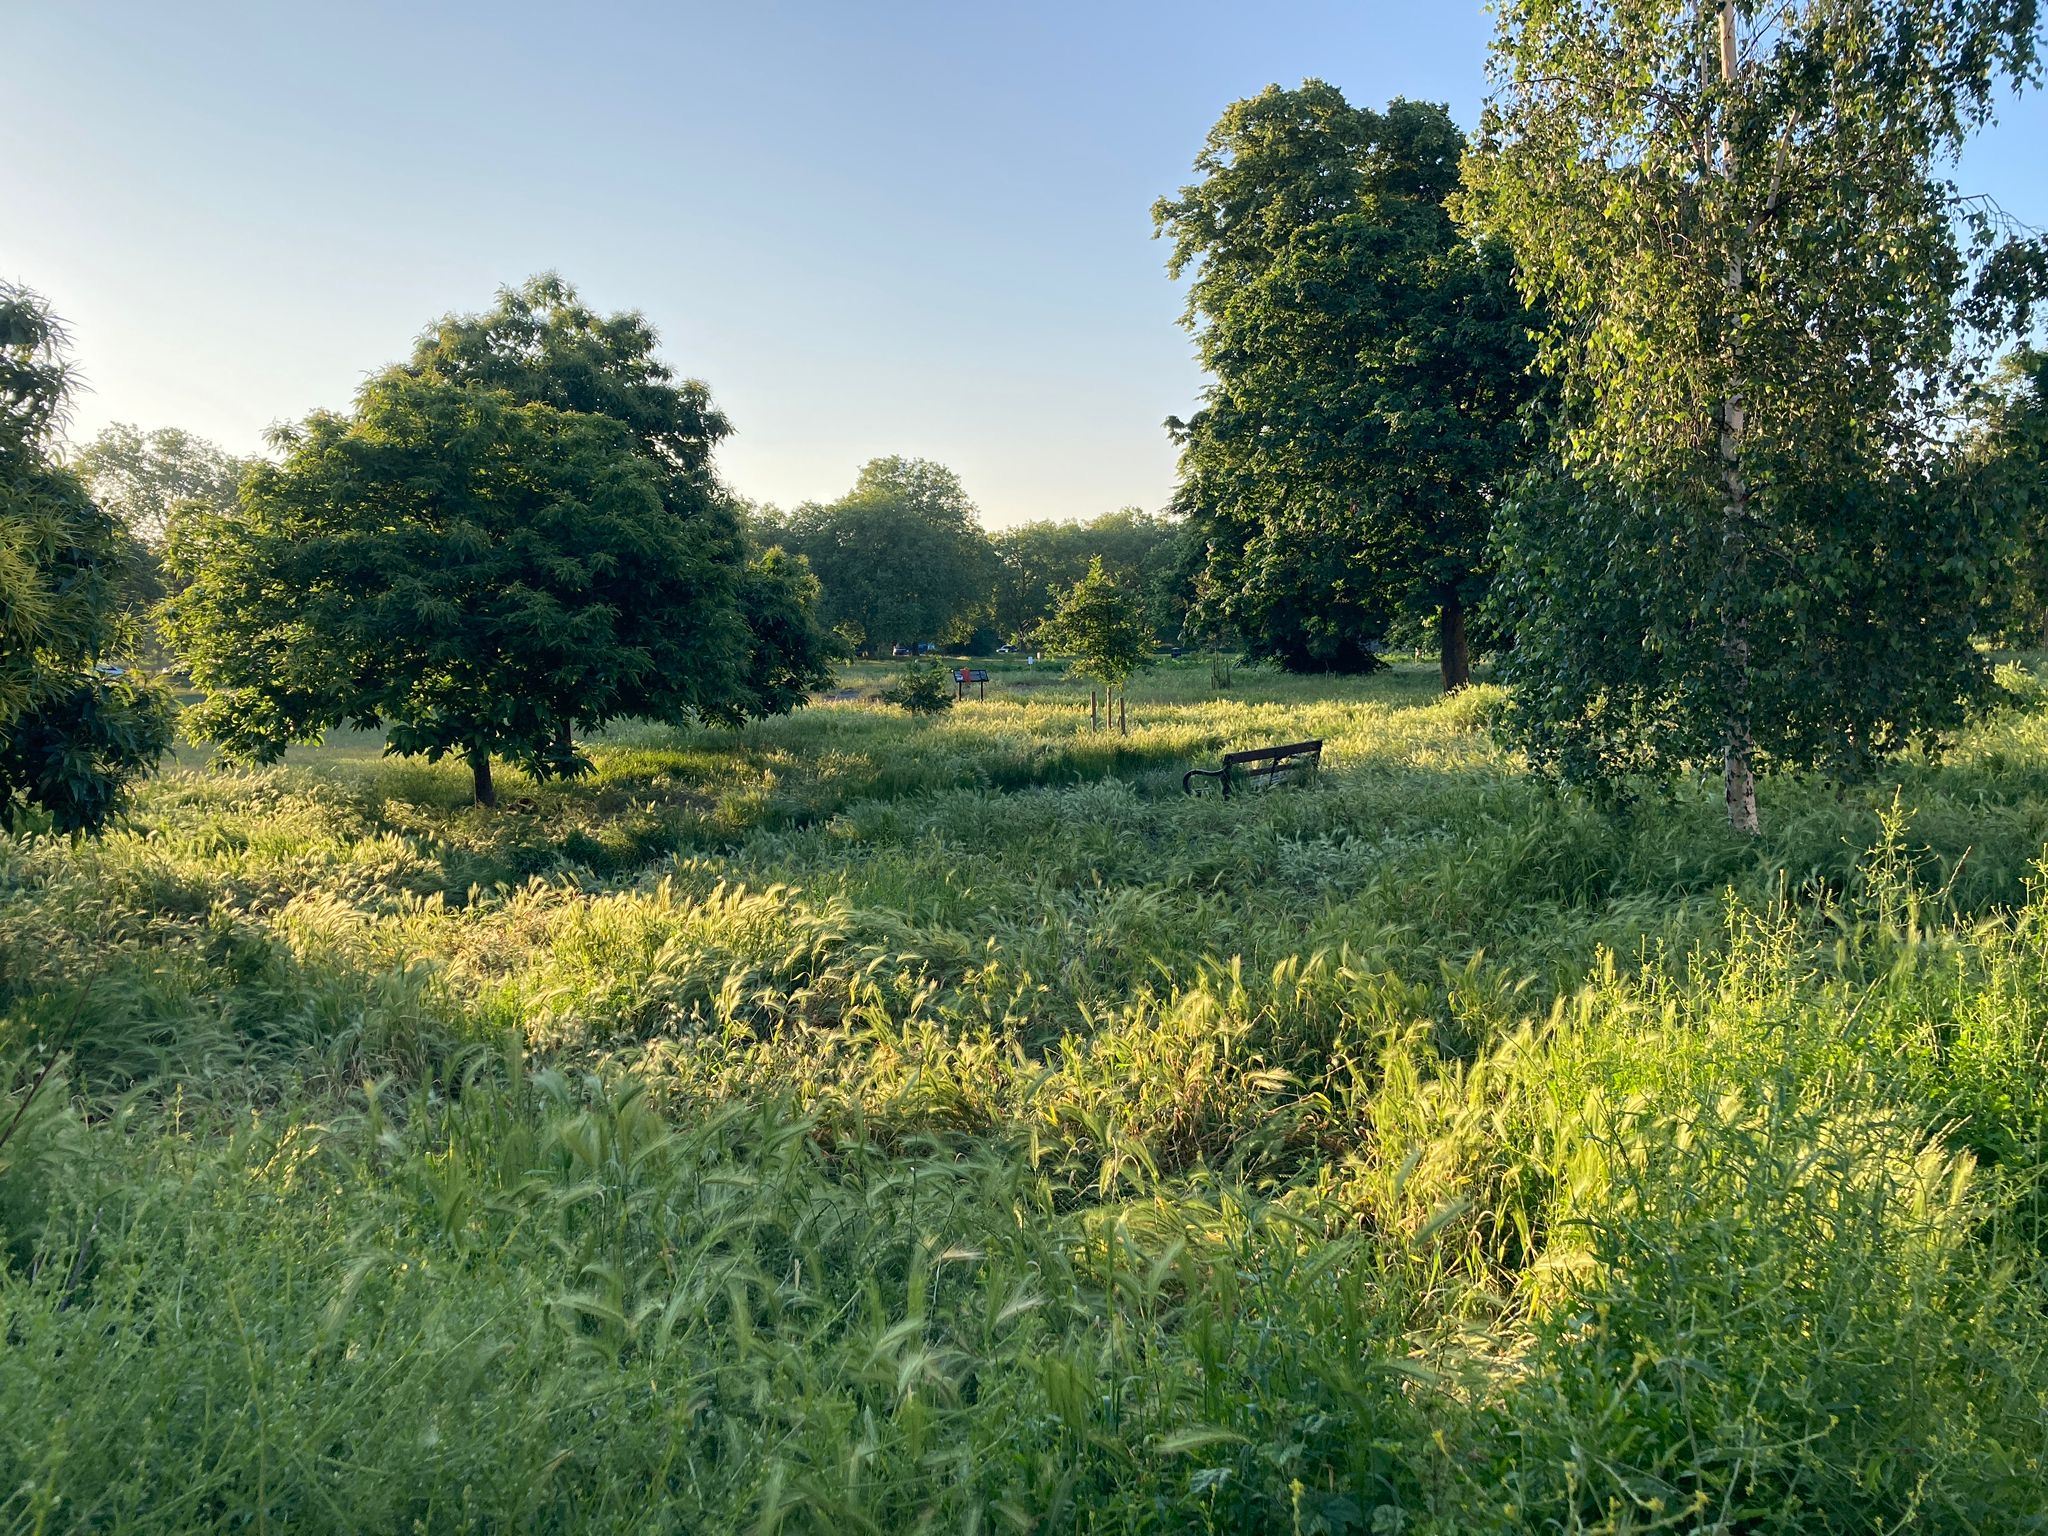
x: 1223, y: 774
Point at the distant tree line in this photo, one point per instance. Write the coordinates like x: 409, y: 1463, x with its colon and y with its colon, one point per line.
x: 1148, y: 553
x: 903, y: 559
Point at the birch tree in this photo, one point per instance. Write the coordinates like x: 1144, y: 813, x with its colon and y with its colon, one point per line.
x: 1766, y: 295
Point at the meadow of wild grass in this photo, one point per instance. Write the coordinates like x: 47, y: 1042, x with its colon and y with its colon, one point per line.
x: 860, y: 1124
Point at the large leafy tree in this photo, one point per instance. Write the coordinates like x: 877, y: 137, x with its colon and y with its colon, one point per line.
x: 1370, y: 374
x: 901, y: 557
x: 1764, y: 296
x: 512, y: 538
x: 544, y: 346
x: 145, y: 479
x: 142, y: 477
x: 75, y: 728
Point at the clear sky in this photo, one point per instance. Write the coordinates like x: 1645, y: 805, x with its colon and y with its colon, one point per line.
x: 872, y: 228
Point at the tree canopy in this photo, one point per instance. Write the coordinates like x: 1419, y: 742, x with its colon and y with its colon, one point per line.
x: 142, y: 477
x: 1764, y: 297
x: 542, y: 345
x: 900, y: 558
x: 76, y: 729
x: 514, y: 537
x: 1370, y: 375
x: 1041, y: 561
x: 2006, y: 457
x: 147, y: 479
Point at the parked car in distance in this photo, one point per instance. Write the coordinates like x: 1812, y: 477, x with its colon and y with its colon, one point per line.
x: 900, y: 650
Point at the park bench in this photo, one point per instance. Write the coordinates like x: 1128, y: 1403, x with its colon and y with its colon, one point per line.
x: 1260, y: 767
x: 962, y: 676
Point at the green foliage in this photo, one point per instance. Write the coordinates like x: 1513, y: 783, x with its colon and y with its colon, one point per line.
x: 73, y: 738
x: 789, y: 651
x: 1101, y: 624
x: 1042, y: 560
x: 1424, y: 1152
x: 2006, y: 460
x: 923, y: 687
x: 546, y: 347
x: 142, y: 477
x: 481, y: 574
x: 145, y: 479
x: 1765, y: 297
x: 901, y: 557
x: 512, y: 538
x: 543, y: 346
x: 1370, y: 372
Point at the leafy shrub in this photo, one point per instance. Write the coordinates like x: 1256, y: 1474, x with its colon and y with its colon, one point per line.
x: 923, y: 687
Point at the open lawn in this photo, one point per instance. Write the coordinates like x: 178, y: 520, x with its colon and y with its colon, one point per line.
x: 852, y: 1123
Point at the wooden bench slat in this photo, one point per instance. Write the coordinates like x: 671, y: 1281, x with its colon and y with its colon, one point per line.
x: 1261, y: 765
x: 1256, y: 754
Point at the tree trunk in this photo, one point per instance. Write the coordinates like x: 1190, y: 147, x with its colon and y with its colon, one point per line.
x: 1454, y: 653
x: 1738, y: 744
x: 480, y: 771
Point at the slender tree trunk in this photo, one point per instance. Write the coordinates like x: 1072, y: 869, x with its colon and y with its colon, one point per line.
x: 1454, y: 653
x: 1738, y: 744
x: 480, y: 772
x: 1738, y: 775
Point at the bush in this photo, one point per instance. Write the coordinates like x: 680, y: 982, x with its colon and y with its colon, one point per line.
x: 922, y: 688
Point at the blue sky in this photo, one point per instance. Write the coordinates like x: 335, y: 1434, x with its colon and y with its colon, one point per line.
x: 881, y: 228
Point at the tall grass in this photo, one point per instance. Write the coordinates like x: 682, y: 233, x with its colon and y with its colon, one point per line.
x: 855, y: 1123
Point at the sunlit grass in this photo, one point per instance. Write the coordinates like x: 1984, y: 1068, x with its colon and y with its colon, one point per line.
x: 861, y: 1123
